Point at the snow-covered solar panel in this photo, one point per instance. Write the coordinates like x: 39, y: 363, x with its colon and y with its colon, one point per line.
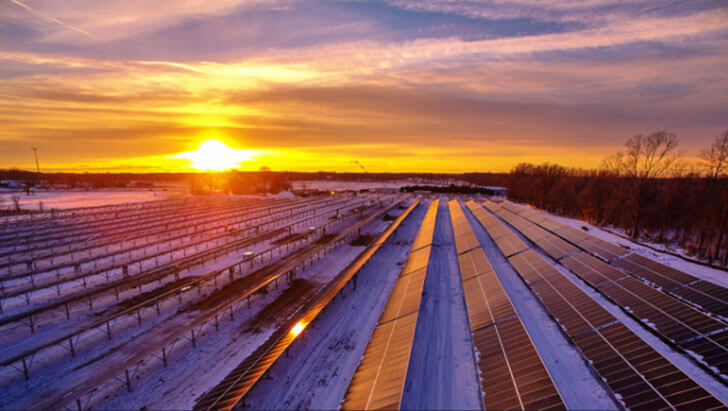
x: 641, y: 376
x: 378, y: 382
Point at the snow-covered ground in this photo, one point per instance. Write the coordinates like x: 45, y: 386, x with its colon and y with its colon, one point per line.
x: 315, y: 373
x: 442, y: 374
x: 60, y: 199
x: 318, y: 366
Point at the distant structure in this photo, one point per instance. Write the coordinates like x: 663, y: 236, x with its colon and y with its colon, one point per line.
x: 495, y: 190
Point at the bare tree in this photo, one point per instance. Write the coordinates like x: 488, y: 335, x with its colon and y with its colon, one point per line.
x: 644, y: 157
x: 653, y: 155
x: 715, y: 157
x: 715, y: 163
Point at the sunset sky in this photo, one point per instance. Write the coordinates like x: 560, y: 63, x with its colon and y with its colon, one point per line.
x: 397, y: 85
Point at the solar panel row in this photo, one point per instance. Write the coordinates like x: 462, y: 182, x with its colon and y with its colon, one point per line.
x: 705, y: 295
x: 553, y: 245
x: 507, y: 240
x: 602, y: 249
x: 667, y: 316
x: 378, y: 382
x: 512, y: 373
x: 642, y: 377
x: 710, y: 297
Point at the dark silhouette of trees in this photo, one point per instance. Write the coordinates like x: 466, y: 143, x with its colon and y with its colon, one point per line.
x: 644, y: 157
x: 643, y: 190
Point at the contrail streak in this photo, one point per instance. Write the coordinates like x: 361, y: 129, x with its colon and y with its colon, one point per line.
x: 53, y: 19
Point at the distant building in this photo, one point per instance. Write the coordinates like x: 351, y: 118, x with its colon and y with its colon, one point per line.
x: 12, y: 184
x: 495, y: 190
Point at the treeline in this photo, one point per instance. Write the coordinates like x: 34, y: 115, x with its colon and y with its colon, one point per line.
x: 647, y: 190
x: 451, y: 189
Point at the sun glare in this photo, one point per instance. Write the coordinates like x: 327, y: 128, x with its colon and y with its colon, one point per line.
x: 297, y: 329
x: 214, y: 155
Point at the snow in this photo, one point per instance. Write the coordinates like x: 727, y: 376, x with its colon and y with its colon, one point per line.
x: 578, y: 385
x: 99, y: 347
x: 318, y: 367
x: 316, y: 372
x: 713, y: 275
x: 62, y: 199
x: 185, y: 385
x: 442, y: 372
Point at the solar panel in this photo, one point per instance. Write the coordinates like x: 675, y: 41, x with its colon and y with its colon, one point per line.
x: 706, y: 295
x: 379, y: 379
x: 654, y: 272
x: 531, y: 267
x: 603, y: 249
x: 513, y: 375
x: 571, y: 234
x: 427, y: 229
x: 554, y: 246
x: 591, y: 270
x: 631, y: 368
x: 666, y: 315
x: 466, y: 242
x: 473, y: 263
x: 510, y: 244
x: 406, y: 295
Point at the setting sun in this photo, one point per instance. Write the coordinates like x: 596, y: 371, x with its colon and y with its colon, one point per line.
x: 214, y: 155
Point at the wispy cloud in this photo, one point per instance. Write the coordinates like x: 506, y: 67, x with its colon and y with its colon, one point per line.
x: 50, y: 18
x: 472, y: 85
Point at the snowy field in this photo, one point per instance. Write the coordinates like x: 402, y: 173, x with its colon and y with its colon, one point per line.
x: 74, y: 199
x: 163, y: 306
